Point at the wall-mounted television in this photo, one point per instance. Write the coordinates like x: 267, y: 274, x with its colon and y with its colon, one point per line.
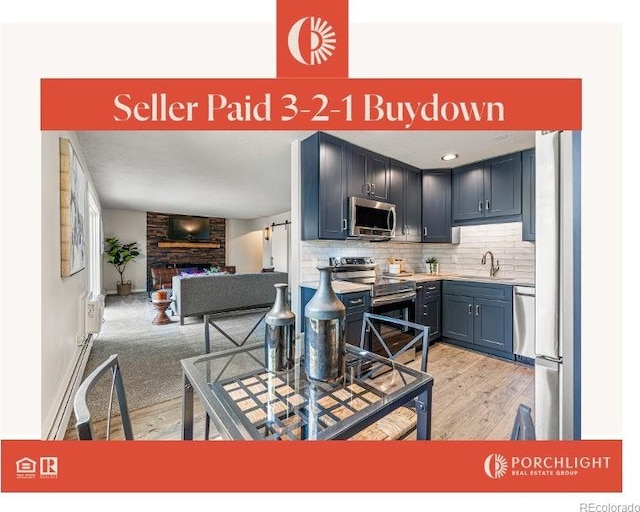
x: 188, y: 228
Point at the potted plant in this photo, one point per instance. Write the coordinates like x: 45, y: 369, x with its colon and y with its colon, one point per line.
x: 119, y: 255
x: 433, y: 265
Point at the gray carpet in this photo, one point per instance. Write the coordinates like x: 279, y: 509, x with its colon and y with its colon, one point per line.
x: 150, y: 355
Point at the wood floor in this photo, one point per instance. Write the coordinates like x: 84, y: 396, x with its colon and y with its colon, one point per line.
x: 475, y: 397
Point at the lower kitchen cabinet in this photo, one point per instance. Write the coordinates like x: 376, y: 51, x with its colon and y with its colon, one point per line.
x: 428, y: 308
x: 356, y: 304
x: 478, y: 316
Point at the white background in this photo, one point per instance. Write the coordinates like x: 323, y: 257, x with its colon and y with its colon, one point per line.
x: 375, y: 51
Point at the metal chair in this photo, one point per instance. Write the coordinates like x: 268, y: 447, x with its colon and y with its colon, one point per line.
x: 401, y: 422
x: 523, y: 428
x: 84, y: 426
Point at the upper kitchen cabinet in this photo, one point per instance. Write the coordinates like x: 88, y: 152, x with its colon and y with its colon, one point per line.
x: 436, y: 206
x: 529, y: 195
x: 489, y: 191
x: 367, y: 174
x: 323, y: 188
x: 405, y: 183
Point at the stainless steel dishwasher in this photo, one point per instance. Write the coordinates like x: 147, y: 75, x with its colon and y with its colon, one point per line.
x: 524, y: 323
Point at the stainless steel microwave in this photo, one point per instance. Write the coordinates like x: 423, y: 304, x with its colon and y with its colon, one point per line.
x: 372, y: 220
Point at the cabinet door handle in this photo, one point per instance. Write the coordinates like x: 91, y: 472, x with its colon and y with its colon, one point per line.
x: 424, y: 231
x: 487, y: 205
x: 356, y: 302
x: 477, y: 310
x: 470, y: 309
x: 426, y: 311
x: 344, y: 224
x: 431, y: 288
x: 373, y: 188
x: 418, y: 288
x: 479, y: 206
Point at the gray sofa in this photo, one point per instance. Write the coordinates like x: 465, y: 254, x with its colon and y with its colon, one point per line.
x: 201, y: 295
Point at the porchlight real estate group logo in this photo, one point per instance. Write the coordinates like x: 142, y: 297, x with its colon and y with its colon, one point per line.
x: 312, y: 40
x: 497, y: 466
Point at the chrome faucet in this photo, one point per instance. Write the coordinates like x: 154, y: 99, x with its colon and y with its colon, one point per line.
x: 494, y: 270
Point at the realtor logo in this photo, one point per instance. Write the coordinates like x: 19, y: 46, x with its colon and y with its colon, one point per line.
x: 312, y: 40
x: 48, y: 467
x: 26, y: 468
x: 495, y: 466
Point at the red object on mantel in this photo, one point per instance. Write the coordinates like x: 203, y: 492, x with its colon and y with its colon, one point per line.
x: 185, y: 466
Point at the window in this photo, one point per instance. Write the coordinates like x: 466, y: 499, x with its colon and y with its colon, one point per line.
x: 95, y: 247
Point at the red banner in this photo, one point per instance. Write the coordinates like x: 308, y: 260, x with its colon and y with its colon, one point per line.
x: 319, y: 104
x: 331, y: 466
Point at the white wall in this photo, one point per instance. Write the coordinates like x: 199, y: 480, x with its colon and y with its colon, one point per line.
x: 243, y: 245
x: 60, y: 295
x: 517, y: 258
x: 127, y: 226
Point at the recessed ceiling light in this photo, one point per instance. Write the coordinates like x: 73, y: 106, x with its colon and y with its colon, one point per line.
x: 449, y: 156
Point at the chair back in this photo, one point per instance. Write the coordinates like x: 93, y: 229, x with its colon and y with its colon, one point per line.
x: 414, y: 336
x: 523, y: 428
x: 81, y: 409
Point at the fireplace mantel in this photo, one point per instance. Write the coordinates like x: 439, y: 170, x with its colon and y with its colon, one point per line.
x: 188, y: 245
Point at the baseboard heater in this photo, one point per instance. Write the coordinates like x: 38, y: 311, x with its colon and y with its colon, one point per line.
x: 58, y: 428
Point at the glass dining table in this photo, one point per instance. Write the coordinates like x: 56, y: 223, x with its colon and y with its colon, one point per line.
x: 246, y: 402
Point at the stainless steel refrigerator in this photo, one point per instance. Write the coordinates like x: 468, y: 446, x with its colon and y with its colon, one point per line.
x: 557, y: 308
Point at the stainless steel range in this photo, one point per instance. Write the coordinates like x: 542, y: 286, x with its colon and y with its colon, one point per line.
x: 383, y: 290
x: 395, y: 298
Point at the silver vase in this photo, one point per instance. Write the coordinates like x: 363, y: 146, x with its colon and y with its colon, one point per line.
x: 324, y: 333
x: 280, y: 326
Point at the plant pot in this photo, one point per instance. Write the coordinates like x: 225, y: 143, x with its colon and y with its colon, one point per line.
x: 124, y: 288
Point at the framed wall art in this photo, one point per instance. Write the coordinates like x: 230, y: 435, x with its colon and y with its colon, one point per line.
x: 73, y: 193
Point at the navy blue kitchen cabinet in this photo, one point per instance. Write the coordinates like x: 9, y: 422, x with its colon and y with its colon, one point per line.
x: 367, y: 174
x: 324, y: 188
x: 478, y: 316
x: 356, y: 303
x: 405, y: 192
x: 488, y: 191
x: 428, y: 308
x: 529, y: 195
x: 457, y: 317
x: 436, y: 206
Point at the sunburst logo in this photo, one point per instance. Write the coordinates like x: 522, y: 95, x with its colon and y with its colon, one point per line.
x: 495, y: 466
x: 311, y: 40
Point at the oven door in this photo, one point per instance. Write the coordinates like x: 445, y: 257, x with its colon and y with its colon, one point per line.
x: 401, y: 307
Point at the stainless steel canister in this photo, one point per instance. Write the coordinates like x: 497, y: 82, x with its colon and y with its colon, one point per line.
x: 324, y: 333
x: 280, y: 326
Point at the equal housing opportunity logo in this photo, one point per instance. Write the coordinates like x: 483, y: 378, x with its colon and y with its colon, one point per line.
x: 497, y: 465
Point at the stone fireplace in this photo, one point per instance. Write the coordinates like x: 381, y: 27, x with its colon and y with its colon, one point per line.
x: 186, y: 256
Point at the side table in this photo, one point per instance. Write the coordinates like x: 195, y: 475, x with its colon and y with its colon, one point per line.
x: 161, y: 307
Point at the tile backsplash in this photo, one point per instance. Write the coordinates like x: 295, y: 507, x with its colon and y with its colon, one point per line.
x: 516, y: 258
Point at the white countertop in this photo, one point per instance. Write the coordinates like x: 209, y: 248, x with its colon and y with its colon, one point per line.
x: 346, y: 287
x: 513, y: 281
x: 339, y: 286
